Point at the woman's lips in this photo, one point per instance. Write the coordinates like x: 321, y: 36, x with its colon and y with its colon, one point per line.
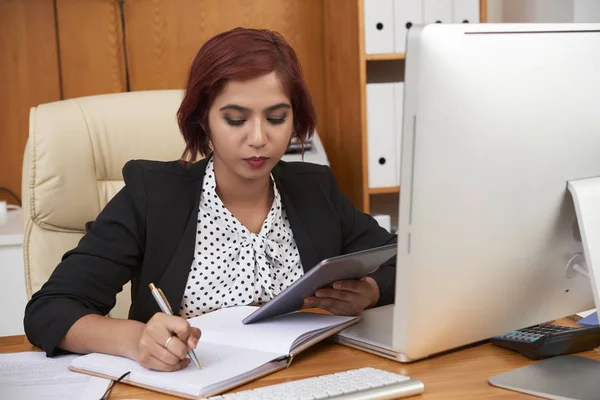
x: 256, y: 162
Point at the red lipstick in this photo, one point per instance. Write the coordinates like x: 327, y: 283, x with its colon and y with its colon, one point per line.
x: 256, y: 162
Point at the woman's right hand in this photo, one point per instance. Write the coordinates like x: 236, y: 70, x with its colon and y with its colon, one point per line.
x: 156, y: 351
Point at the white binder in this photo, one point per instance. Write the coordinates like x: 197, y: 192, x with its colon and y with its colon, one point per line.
x: 398, y: 122
x: 437, y: 11
x: 406, y: 14
x: 466, y: 11
x: 381, y: 135
x: 379, y: 26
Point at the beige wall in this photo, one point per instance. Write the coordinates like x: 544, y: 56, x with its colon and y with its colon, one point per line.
x: 548, y: 11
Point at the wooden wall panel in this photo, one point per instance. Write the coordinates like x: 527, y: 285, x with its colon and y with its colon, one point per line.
x: 90, y: 47
x: 53, y: 49
x: 28, y: 76
x: 345, y: 85
x: 163, y: 36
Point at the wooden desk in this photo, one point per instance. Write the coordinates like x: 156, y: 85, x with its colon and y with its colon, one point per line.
x: 462, y: 374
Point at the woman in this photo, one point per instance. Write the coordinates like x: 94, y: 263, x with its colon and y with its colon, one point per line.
x: 235, y: 228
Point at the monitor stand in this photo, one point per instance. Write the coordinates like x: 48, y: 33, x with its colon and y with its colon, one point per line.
x: 562, y: 378
x: 586, y: 199
x: 569, y: 376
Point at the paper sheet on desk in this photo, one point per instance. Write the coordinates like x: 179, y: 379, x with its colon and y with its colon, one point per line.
x: 31, y: 375
x: 591, y: 319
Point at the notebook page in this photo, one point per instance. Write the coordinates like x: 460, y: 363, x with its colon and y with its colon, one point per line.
x: 218, y: 363
x: 275, y: 335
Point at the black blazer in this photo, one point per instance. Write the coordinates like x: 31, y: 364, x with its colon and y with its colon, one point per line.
x: 147, y: 232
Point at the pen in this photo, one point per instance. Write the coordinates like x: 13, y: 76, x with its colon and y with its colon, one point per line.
x: 166, y: 308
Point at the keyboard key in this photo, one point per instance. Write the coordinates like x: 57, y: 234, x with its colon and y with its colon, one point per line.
x: 356, y: 383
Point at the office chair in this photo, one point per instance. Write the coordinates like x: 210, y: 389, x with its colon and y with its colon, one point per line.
x: 72, y: 166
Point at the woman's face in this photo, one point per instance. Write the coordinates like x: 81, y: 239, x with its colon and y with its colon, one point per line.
x: 250, y: 125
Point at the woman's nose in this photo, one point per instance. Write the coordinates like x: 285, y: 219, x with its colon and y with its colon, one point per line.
x: 257, y: 137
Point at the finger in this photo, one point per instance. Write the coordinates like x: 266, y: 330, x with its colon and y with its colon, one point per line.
x: 371, y: 282
x: 337, y: 294
x: 351, y: 285
x: 334, y: 306
x: 158, y: 351
x: 162, y: 326
x: 192, y: 341
x: 179, y: 327
x: 157, y: 364
x: 177, y: 347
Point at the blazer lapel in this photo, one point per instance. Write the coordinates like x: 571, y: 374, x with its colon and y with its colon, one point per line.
x: 173, y: 281
x: 287, y: 191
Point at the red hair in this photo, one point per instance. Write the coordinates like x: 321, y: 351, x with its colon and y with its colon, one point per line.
x: 240, y: 54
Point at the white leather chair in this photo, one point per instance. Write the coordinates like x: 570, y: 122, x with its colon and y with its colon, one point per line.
x: 72, y: 168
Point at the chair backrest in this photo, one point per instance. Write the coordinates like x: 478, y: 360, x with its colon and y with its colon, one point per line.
x: 72, y: 167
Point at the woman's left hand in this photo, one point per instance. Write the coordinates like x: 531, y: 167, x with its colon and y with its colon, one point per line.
x: 348, y: 297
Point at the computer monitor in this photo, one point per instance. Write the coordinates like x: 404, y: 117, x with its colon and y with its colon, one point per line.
x: 497, y: 119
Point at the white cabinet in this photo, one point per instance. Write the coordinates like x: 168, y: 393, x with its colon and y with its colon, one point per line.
x: 12, y: 295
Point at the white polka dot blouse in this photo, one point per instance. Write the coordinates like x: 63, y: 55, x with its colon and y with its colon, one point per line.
x: 233, y: 266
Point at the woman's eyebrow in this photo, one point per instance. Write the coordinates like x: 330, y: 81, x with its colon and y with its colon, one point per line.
x: 244, y: 109
x: 278, y: 106
x: 233, y: 107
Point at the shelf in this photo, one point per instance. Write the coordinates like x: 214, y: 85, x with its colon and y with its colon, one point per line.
x: 384, y: 56
x: 385, y: 190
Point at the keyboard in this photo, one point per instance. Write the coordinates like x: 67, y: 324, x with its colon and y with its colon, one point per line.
x: 356, y: 384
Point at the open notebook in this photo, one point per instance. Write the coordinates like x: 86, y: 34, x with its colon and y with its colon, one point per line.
x: 230, y: 353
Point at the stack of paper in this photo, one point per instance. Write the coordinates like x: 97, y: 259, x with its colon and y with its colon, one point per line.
x: 31, y: 375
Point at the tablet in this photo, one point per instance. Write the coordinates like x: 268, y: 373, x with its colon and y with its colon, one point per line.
x: 348, y: 266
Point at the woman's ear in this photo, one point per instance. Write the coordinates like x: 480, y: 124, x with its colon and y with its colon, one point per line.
x: 206, y: 130
x: 207, y: 135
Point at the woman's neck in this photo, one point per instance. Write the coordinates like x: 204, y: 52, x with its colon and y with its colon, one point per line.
x: 236, y: 192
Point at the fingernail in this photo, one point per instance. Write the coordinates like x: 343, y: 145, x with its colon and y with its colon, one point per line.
x: 319, y: 293
x: 337, y: 285
x: 195, y: 342
x: 308, y: 302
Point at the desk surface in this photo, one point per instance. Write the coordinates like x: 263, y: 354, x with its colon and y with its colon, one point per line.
x: 461, y: 374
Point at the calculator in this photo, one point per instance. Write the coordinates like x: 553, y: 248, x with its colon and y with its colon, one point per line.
x: 543, y: 341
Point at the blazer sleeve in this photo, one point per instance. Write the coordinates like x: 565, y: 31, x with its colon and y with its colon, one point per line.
x: 88, y: 278
x: 361, y: 231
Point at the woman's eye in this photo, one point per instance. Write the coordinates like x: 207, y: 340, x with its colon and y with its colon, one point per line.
x: 276, y: 121
x: 235, y: 122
